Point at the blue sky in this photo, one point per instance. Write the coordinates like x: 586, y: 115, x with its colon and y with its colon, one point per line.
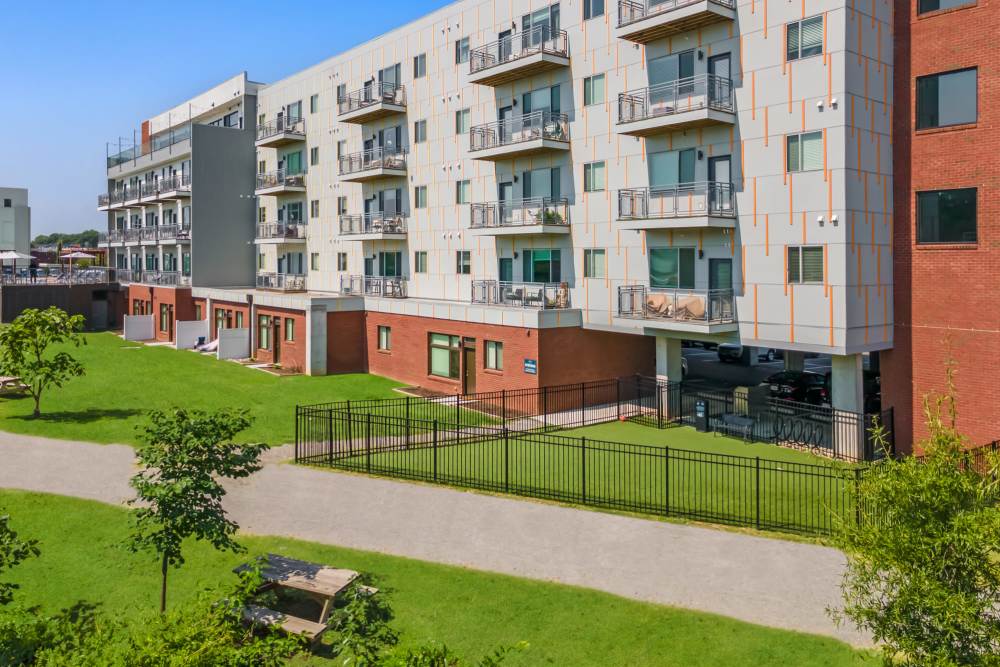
x: 74, y: 75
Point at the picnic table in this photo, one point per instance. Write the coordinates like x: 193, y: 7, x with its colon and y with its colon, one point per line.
x: 11, y: 384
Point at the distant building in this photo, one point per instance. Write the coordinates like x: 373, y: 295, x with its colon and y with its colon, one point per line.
x: 15, y: 221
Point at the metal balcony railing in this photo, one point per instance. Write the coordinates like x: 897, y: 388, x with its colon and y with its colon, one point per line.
x: 173, y: 232
x: 149, y: 188
x: 128, y: 275
x: 704, y: 91
x: 281, y: 125
x: 630, y: 11
x: 148, y: 233
x: 370, y: 95
x: 520, y: 213
x: 163, y: 140
x: 175, y: 183
x: 286, y: 282
x: 118, y: 196
x: 535, y: 125
x: 373, y: 223
x: 132, y: 234
x: 521, y: 295
x: 375, y: 158
x: 390, y: 287
x: 165, y: 278
x: 281, y: 230
x: 274, y: 179
x: 104, y: 199
x: 539, y: 39
x: 677, y: 201
x: 679, y: 305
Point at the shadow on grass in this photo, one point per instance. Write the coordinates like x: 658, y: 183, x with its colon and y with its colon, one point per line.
x: 80, y: 416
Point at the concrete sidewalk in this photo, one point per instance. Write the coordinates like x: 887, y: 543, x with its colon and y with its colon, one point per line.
x: 767, y: 581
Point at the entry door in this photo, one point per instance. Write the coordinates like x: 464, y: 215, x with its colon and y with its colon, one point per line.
x: 720, y: 84
x: 504, y: 52
x: 505, y: 195
x: 506, y: 270
x: 720, y: 285
x: 170, y: 322
x: 720, y: 179
x: 505, y: 115
x: 276, y: 337
x: 469, y: 367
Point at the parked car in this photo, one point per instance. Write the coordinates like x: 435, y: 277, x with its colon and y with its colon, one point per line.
x: 872, y: 392
x: 801, y: 386
x: 734, y: 352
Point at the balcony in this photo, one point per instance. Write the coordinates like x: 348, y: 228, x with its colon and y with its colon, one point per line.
x: 281, y: 232
x: 280, y: 132
x: 148, y: 192
x: 372, y: 103
x: 282, y: 282
x: 131, y: 235
x: 126, y: 276
x: 173, y: 187
x: 103, y: 202
x: 643, y: 21
x: 178, y: 233
x: 520, y: 55
x: 131, y: 197
x: 279, y: 182
x: 116, y: 199
x: 531, y: 134
x: 520, y: 217
x: 705, y: 204
x: 165, y: 278
x: 687, y: 103
x: 373, y: 227
x: 389, y: 287
x: 544, y: 296
x: 373, y: 164
x: 707, y: 311
x: 148, y: 234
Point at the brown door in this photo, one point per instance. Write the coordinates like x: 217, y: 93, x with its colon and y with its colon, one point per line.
x: 276, y: 338
x: 469, y: 367
x: 170, y: 322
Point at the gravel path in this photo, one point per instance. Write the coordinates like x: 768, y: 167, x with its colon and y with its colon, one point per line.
x: 767, y: 581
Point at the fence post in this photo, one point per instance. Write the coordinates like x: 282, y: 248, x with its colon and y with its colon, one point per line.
x: 503, y: 406
x: 368, y: 442
x: 329, y: 430
x: 506, y: 460
x: 618, y: 397
x: 407, y: 422
x: 659, y: 405
x: 583, y: 403
x: 545, y: 407
x: 297, y: 417
x: 435, y: 450
x: 757, y: 487
x: 458, y: 408
x: 666, y: 477
x: 857, y: 497
x: 583, y: 471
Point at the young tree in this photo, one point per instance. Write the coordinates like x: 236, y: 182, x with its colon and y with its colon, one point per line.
x: 923, y: 572
x: 13, y: 551
x: 24, y: 347
x: 179, y: 493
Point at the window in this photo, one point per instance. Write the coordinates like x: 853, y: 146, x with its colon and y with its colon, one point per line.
x: 420, y: 131
x: 463, y: 262
x: 341, y: 205
x: 947, y: 99
x: 261, y: 119
x: 935, y: 5
x: 239, y: 319
x: 420, y: 196
x: 420, y: 261
x: 593, y: 263
x: 264, y: 332
x: 262, y: 215
x: 164, y: 318
x: 262, y: 167
x: 314, y: 209
x: 804, y: 152
x: 420, y: 66
x: 341, y: 261
x: 462, y: 121
x: 294, y: 111
x: 805, y: 264
x: 593, y: 177
x: 7, y: 203
x: 314, y: 156
x: 592, y: 9
x: 341, y: 92
x: 341, y: 148
x: 443, y: 355
x: 289, y: 329
x: 293, y: 212
x: 670, y: 168
x: 494, y: 355
x: 314, y: 103
x: 541, y: 265
x: 671, y: 268
x: 198, y: 315
x: 593, y: 90
x: 804, y: 38
x: 293, y: 163
x: 314, y: 261
x: 946, y: 216
x: 385, y: 338
x: 462, y: 51
x: 462, y: 189
x: 261, y: 261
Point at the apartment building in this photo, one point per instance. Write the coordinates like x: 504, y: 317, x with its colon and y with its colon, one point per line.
x: 15, y: 222
x: 946, y: 236
x: 180, y: 203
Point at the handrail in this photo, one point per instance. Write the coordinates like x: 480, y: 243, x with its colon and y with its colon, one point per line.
x: 283, y: 125
x: 382, y: 91
x: 703, y: 91
x: 630, y: 11
x: 374, y: 158
x: 544, y: 296
x: 273, y: 179
x: 373, y: 223
x: 531, y: 126
x: 538, y: 39
x: 159, y: 142
x: 520, y: 212
x: 677, y: 201
x: 687, y: 305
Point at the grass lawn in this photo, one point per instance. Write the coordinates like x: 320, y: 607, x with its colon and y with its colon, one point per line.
x: 469, y: 611
x: 125, y: 380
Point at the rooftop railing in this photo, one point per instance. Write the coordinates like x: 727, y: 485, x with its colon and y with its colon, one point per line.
x: 382, y: 91
x: 704, y: 91
x: 281, y: 125
x: 165, y: 278
x: 535, y: 125
x: 390, y: 287
x: 678, y: 305
x: 630, y: 11
x: 677, y: 201
x: 274, y: 179
x: 373, y: 223
x: 375, y: 158
x: 286, y: 282
x: 521, y: 295
x: 520, y: 213
x: 539, y: 39
x: 163, y: 140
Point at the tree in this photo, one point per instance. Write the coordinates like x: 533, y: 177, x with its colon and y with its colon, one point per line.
x: 24, y: 345
x: 178, y: 491
x: 13, y: 551
x: 923, y: 573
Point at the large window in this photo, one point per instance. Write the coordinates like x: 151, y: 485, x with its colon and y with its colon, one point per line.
x: 946, y: 216
x: 593, y: 90
x: 947, y: 99
x: 384, y: 338
x: 804, y: 152
x: 289, y: 329
x: 463, y: 262
x: 592, y: 9
x: 805, y: 264
x: 935, y: 5
x: 804, y: 38
x: 264, y: 332
x: 462, y: 51
x: 494, y: 355
x: 594, y: 263
x: 593, y: 177
x: 443, y: 355
x: 542, y: 265
x: 671, y: 268
x: 669, y: 168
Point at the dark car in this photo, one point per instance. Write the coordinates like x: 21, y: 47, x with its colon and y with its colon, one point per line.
x: 801, y: 386
x: 734, y: 352
x: 872, y: 392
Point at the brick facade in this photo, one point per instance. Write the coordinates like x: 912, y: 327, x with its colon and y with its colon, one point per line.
x: 945, y: 295
x: 346, y: 351
x: 180, y: 306
x: 291, y: 352
x: 230, y: 309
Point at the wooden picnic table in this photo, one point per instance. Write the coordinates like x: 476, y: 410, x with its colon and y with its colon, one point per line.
x: 11, y: 384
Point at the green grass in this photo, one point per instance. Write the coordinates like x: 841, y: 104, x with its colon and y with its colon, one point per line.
x: 469, y: 611
x: 125, y: 380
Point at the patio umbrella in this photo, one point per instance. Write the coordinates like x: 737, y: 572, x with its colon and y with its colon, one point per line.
x: 76, y: 255
x: 13, y: 256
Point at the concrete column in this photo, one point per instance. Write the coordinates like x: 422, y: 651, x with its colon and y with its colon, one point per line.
x: 795, y: 361
x: 847, y: 387
x: 751, y: 355
x: 668, y: 359
x: 316, y: 340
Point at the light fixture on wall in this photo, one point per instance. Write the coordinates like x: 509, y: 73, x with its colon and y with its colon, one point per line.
x: 701, y: 54
x: 701, y: 155
x: 820, y: 220
x: 834, y: 219
x: 514, y: 102
x: 701, y: 254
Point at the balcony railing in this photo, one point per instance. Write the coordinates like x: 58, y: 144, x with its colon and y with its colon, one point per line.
x: 678, y: 201
x: 173, y: 232
x: 148, y: 233
x: 678, y: 305
x: 630, y: 11
x: 705, y: 91
x: 104, y: 199
x: 390, y: 287
x: 128, y: 275
x: 382, y: 91
x: 165, y: 278
x: 279, y: 178
x: 174, y: 183
x: 375, y: 158
x: 281, y: 230
x: 91, y: 275
x: 373, y: 223
x: 131, y: 235
x: 163, y: 140
x: 539, y: 39
x: 148, y: 189
x: 287, y: 282
x: 118, y: 196
x: 281, y: 126
x: 529, y: 127
x: 520, y: 213
x: 521, y: 295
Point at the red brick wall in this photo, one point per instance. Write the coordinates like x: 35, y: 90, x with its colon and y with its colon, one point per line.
x: 581, y: 355
x: 291, y: 353
x: 945, y: 296
x: 233, y: 307
x: 346, y: 349
x: 179, y: 298
x: 195, y: 302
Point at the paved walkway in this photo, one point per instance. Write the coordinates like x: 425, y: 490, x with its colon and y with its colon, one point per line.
x: 760, y: 580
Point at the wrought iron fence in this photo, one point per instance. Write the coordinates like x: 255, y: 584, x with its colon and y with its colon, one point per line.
x: 530, y: 126
x: 538, y: 39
